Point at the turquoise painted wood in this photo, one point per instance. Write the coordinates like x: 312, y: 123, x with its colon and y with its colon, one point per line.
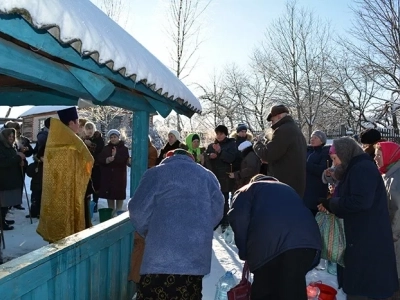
x: 140, y: 133
x: 18, y: 28
x: 98, y: 86
x: 125, y: 99
x: 92, y: 264
x: 26, y: 65
x: 17, y: 97
x: 163, y: 109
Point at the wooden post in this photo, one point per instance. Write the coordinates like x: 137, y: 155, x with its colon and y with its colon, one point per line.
x: 140, y: 132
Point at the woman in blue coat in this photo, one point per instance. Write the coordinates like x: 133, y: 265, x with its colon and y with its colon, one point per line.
x: 370, y: 263
x: 317, y: 161
x: 278, y: 237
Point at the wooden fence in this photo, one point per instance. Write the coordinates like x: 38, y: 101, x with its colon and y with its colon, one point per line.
x: 92, y: 264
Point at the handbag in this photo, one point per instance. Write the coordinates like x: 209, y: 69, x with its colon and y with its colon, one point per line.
x: 333, y: 237
x: 242, y: 291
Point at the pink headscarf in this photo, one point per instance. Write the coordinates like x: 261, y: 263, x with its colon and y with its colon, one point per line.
x: 332, y: 150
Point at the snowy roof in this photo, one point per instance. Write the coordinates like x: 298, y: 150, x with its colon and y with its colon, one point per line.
x: 42, y: 110
x: 87, y: 29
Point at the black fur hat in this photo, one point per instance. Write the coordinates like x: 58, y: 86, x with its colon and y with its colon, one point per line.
x: 370, y: 136
x: 222, y: 129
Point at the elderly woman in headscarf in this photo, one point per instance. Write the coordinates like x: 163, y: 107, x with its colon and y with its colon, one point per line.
x: 387, y: 158
x: 172, y: 144
x: 360, y: 200
x: 317, y: 161
x: 113, y: 163
x: 11, y: 175
x: 193, y: 147
x: 23, y: 145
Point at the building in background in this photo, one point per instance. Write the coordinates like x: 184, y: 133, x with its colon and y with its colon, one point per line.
x: 33, y: 119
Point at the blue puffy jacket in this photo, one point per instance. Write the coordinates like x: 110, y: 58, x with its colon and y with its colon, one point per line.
x: 269, y: 218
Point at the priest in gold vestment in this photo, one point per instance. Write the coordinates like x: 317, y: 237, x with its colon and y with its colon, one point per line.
x: 67, y: 168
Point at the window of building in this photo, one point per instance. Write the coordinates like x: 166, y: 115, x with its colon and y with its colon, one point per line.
x: 41, y: 123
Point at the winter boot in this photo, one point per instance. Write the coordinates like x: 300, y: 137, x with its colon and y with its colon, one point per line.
x: 5, y: 226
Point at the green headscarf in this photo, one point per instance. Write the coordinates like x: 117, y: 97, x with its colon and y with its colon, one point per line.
x: 195, y: 152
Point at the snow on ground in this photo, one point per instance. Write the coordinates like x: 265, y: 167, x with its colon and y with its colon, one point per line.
x: 24, y: 239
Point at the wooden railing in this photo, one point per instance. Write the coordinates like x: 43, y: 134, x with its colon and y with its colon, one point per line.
x: 92, y: 264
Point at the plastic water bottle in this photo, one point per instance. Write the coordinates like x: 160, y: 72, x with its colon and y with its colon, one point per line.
x: 224, y: 284
x: 332, y: 268
x: 229, y: 235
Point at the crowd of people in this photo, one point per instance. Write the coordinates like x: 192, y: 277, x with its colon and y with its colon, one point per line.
x: 269, y: 192
x: 60, y: 195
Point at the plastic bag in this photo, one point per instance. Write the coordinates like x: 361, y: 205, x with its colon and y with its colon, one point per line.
x: 242, y: 291
x: 333, y: 238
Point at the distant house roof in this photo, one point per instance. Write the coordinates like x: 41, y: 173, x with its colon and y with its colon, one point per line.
x: 87, y: 29
x: 42, y: 110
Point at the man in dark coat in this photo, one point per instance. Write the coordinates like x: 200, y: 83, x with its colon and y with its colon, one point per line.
x: 370, y: 262
x: 278, y: 237
x: 220, y: 156
x: 318, y: 161
x: 287, y: 150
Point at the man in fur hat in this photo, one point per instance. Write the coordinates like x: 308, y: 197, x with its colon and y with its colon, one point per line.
x: 64, y: 211
x: 286, y: 152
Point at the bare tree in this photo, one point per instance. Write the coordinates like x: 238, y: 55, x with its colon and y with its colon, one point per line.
x: 216, y: 103
x: 104, y: 115
x: 296, y: 50
x: 184, y: 30
x: 117, y: 10
x: 356, y: 96
x: 377, y: 46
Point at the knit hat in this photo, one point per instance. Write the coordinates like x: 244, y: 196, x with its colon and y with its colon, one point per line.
x: 277, y: 110
x: 179, y: 151
x: 68, y: 114
x: 195, y: 137
x: 241, y: 127
x: 370, y: 136
x: 332, y: 150
x: 222, y: 129
x: 244, y: 145
x: 321, y: 135
x: 113, y: 131
x: 175, y: 133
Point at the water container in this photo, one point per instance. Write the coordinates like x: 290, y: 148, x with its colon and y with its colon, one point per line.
x: 224, y: 284
x: 332, y: 268
x: 322, y: 265
x: 228, y: 235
